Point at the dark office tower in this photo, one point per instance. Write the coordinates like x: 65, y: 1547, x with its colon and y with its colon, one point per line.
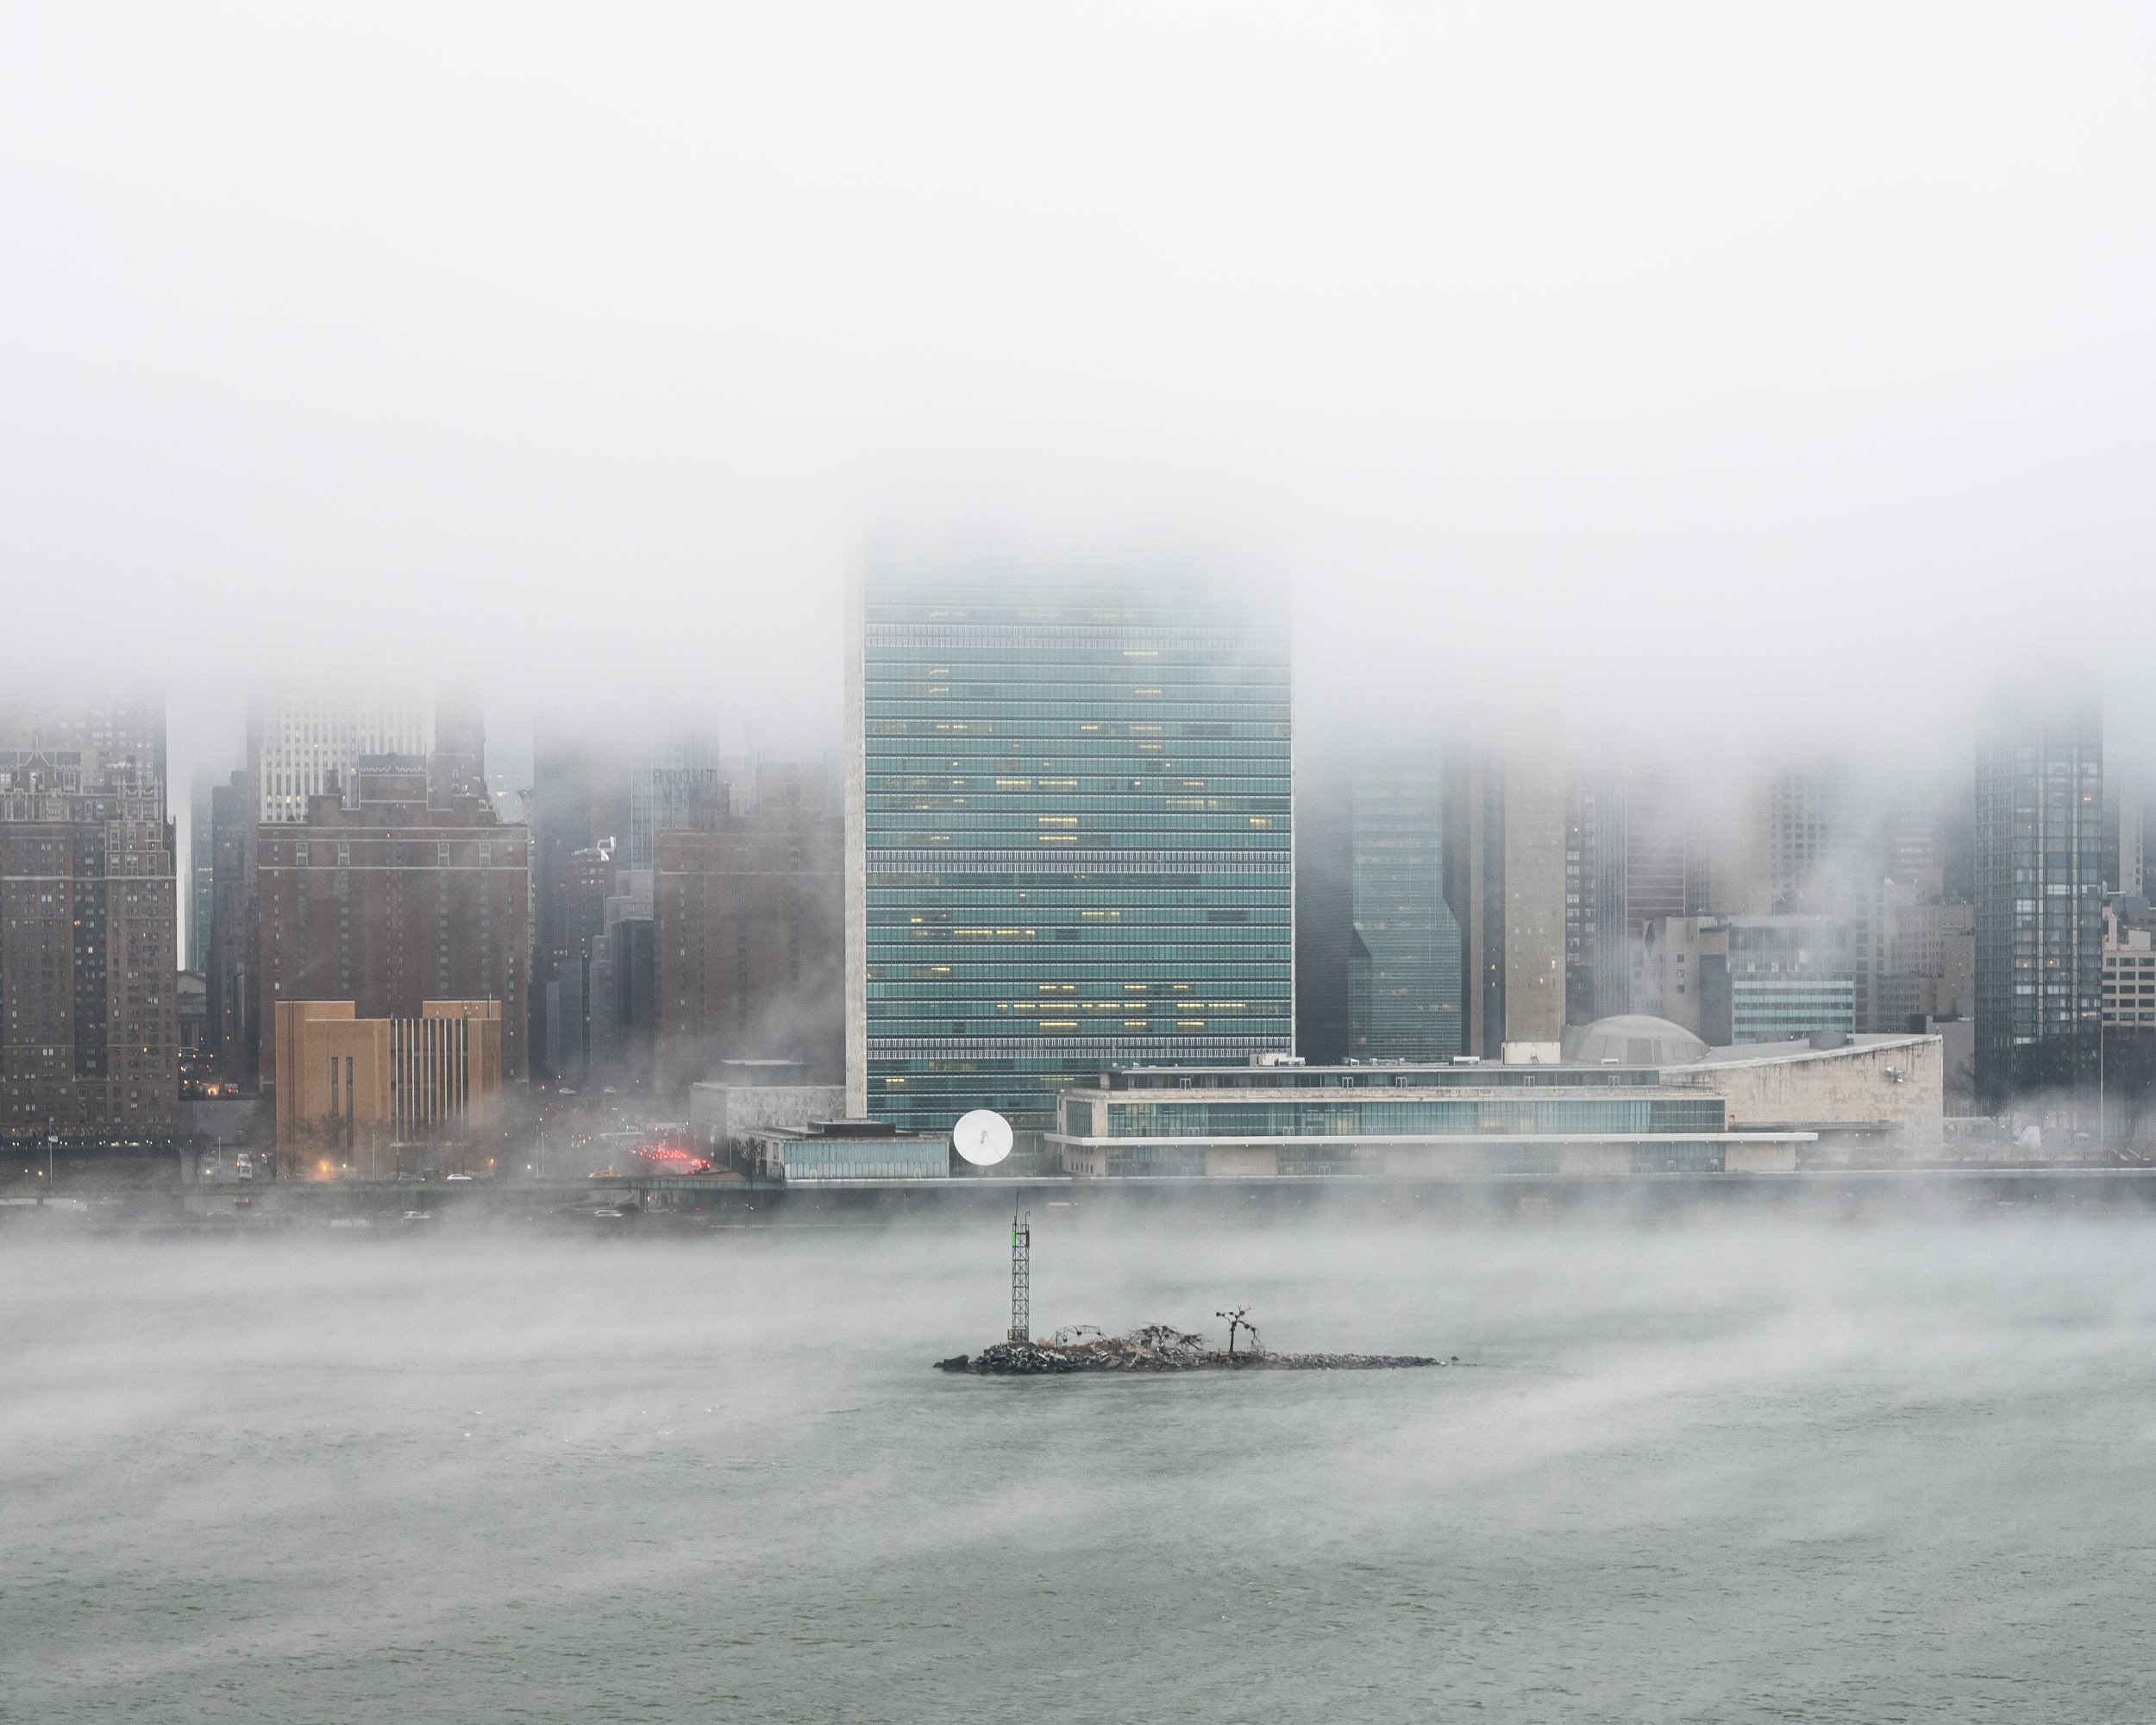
x: 1505, y: 880
x: 1806, y: 827
x: 580, y: 828
x: 2039, y: 896
x: 1069, y: 835
x: 201, y: 878
x: 750, y: 917
x: 622, y: 1005
x: 675, y: 785
x: 1954, y: 839
x: 1909, y: 843
x: 620, y: 999
x: 456, y: 766
x: 1655, y: 828
x: 228, y: 979
x: 1475, y: 889
x: 89, y: 931
x: 1378, y: 951
x: 1658, y: 875
x: 1597, y: 962
x: 1404, y: 965
x: 1709, y: 860
x: 390, y: 903
x: 1485, y: 919
x: 1324, y: 900
x: 574, y: 910
x: 1534, y: 906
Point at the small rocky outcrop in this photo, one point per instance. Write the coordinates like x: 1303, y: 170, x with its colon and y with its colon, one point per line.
x: 1158, y: 1348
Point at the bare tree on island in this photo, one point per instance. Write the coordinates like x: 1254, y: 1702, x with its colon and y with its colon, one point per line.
x: 1239, y: 1320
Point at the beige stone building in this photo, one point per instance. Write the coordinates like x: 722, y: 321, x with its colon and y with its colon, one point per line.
x: 1886, y: 1090
x: 390, y: 901
x: 370, y: 1097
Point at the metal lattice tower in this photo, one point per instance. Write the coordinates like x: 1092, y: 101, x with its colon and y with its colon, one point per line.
x: 1021, y: 1278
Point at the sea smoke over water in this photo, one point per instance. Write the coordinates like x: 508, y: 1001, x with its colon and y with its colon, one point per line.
x: 1713, y: 1472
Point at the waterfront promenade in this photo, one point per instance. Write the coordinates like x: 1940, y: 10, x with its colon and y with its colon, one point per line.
x: 627, y: 1205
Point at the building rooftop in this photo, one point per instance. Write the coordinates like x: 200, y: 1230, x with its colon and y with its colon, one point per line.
x: 1667, y: 1045
x: 1432, y: 1075
x: 1634, y: 1039
x: 1764, y: 1053
x: 844, y: 1130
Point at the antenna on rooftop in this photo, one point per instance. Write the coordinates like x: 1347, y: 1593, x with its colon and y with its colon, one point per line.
x: 1021, y: 1275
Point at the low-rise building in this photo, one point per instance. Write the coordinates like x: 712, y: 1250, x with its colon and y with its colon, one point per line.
x: 2129, y: 965
x: 749, y: 1096
x: 1670, y: 966
x: 1849, y: 1092
x: 1457, y: 1120
x: 1782, y: 976
x: 1883, y: 1090
x: 1770, y: 978
x: 831, y: 1152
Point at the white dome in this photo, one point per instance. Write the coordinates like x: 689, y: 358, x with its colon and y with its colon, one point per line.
x: 1633, y: 1039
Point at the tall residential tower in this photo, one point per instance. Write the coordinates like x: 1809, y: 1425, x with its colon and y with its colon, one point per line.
x: 89, y: 924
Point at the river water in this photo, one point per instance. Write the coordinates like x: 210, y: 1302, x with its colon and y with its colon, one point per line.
x: 1725, y: 1471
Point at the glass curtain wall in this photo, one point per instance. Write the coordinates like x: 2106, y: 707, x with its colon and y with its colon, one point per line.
x: 1078, y: 838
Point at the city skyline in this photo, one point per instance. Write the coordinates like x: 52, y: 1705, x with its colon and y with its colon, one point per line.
x: 750, y: 753
x: 1807, y: 897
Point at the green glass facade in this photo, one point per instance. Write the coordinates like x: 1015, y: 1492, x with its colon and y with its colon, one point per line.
x: 1404, y: 977
x: 1549, y: 1115
x: 1463, y: 1077
x: 1187, y: 1162
x: 1789, y: 975
x: 1776, y: 1009
x: 1077, y: 840
x: 813, y: 1160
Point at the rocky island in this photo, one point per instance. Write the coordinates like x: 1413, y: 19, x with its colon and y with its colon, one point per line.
x: 1157, y: 1347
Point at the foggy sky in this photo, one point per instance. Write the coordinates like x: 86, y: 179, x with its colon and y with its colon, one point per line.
x: 1626, y: 360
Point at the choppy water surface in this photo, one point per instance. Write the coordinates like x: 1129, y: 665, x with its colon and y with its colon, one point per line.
x: 1715, y: 1472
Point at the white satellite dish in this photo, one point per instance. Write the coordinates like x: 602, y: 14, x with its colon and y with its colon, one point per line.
x: 983, y: 1137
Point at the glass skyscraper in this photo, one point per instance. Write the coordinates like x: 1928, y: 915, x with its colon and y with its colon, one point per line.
x: 2040, y: 899
x: 1404, y: 977
x: 1069, y: 841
